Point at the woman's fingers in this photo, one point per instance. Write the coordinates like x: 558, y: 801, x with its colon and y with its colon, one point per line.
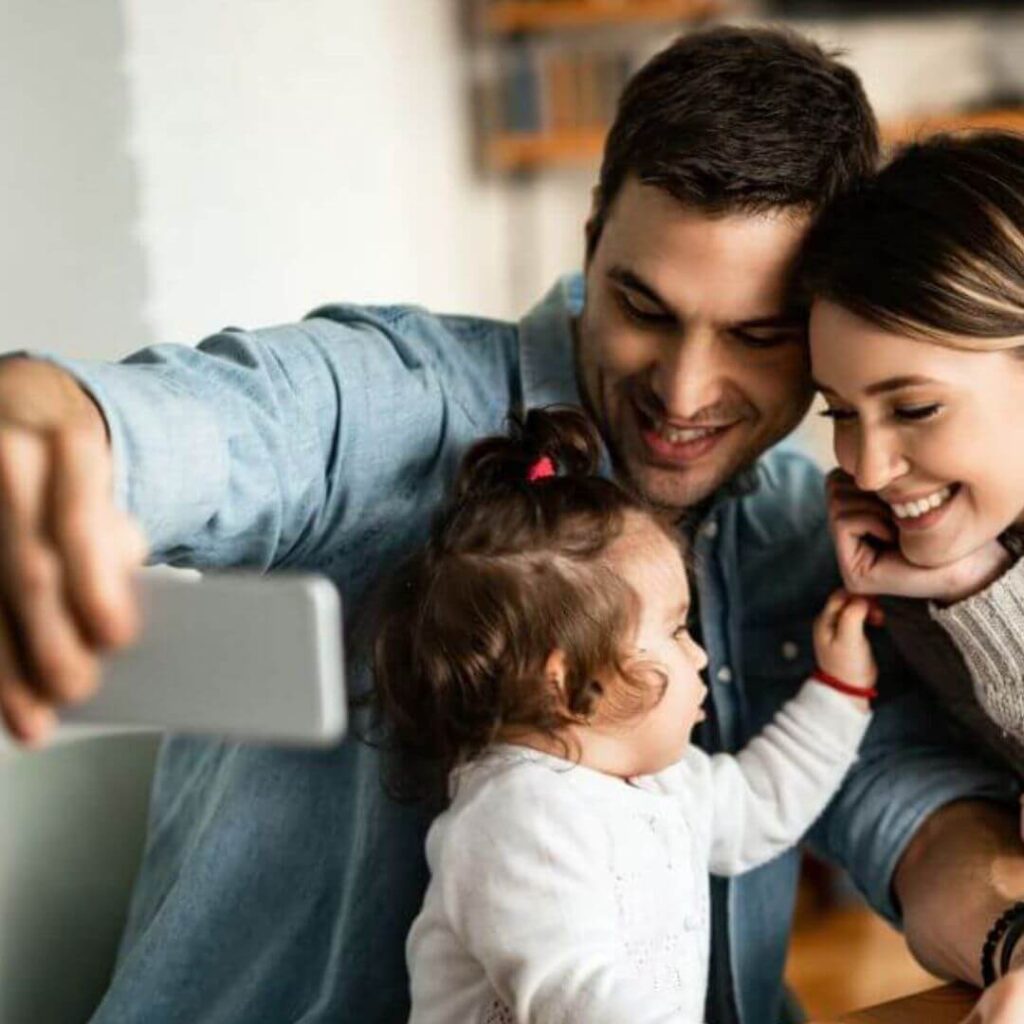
x: 843, y: 496
x: 860, y: 540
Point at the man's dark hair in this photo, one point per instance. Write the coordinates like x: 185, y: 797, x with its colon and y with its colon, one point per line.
x: 739, y: 120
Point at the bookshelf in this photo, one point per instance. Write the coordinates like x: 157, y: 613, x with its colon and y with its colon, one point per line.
x: 1009, y: 119
x: 504, y: 17
x: 511, y: 151
x: 553, y: 71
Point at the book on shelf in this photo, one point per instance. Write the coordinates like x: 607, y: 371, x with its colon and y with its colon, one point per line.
x: 547, y: 91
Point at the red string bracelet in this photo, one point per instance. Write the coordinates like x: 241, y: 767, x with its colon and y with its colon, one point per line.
x: 867, y: 692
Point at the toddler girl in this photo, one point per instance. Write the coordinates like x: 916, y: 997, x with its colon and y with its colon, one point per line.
x: 537, y: 650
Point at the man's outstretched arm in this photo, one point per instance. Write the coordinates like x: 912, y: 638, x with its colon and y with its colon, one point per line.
x: 961, y: 871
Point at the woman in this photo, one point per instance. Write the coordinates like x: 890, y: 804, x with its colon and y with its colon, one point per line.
x: 917, y: 344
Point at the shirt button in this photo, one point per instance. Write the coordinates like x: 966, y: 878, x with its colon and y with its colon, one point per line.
x: 724, y: 674
x: 710, y: 529
x: 790, y: 650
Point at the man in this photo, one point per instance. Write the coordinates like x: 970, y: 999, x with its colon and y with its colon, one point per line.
x: 278, y: 886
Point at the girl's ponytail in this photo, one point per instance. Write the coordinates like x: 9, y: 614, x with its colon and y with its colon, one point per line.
x: 562, y: 434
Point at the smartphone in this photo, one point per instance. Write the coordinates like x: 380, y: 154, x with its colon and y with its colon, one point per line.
x: 239, y: 654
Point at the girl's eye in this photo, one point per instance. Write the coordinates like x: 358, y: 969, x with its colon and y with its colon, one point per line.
x: 680, y: 632
x: 917, y: 412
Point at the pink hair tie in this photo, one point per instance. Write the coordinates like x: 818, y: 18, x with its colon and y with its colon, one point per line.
x: 541, y: 469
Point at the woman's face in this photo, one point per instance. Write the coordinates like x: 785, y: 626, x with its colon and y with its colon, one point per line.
x: 936, y: 433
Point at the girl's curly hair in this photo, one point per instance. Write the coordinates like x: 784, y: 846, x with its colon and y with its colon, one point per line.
x: 514, y: 569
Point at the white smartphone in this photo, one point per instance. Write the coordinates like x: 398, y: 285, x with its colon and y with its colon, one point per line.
x: 240, y: 654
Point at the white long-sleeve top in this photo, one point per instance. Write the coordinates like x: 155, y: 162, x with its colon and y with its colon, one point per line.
x: 562, y: 895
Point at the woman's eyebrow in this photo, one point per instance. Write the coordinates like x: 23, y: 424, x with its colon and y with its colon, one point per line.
x: 881, y: 387
x: 895, y: 383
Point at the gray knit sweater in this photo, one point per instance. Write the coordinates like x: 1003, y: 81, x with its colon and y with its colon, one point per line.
x: 972, y: 655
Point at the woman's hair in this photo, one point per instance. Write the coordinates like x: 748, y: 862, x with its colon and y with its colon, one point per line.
x: 933, y: 246
x: 513, y: 570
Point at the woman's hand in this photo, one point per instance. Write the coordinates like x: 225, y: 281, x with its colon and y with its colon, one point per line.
x: 870, y: 560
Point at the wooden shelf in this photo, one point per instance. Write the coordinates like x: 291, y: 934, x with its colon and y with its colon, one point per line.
x: 532, y: 152
x: 508, y: 16
x: 912, y: 128
x: 522, y: 152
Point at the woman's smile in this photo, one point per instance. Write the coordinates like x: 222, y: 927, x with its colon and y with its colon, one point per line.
x: 923, y: 511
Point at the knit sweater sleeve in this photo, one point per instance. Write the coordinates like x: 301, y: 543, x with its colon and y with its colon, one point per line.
x: 988, y: 630
x: 769, y: 794
x: 528, y: 892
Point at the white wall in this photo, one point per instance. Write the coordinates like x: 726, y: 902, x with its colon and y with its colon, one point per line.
x: 292, y: 152
x: 71, y: 268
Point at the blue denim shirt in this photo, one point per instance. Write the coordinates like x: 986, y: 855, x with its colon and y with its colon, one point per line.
x: 277, y: 885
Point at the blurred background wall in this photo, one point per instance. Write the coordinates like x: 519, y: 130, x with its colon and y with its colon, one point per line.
x: 174, y: 167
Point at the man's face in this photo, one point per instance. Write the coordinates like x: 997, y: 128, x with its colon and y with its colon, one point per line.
x: 689, y: 360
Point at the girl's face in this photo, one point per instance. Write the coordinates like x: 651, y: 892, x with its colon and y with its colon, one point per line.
x: 937, y: 433
x: 652, y: 565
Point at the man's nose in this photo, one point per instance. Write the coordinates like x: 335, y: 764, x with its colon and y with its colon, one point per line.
x: 688, y: 376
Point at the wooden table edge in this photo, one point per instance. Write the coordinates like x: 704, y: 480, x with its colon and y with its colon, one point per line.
x: 948, y: 1004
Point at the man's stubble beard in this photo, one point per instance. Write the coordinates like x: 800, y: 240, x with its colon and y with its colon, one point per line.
x: 685, y: 506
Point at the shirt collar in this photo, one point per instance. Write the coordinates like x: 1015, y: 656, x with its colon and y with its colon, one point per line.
x: 547, y: 360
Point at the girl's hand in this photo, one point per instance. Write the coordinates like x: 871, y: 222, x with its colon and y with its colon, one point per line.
x: 870, y: 560
x: 840, y: 644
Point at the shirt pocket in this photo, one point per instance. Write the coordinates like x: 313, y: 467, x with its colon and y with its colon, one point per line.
x: 777, y: 658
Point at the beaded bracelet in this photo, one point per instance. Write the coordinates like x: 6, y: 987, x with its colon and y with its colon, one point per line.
x: 1012, y: 915
x: 1010, y: 940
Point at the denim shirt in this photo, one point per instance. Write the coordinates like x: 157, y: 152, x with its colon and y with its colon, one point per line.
x: 277, y: 885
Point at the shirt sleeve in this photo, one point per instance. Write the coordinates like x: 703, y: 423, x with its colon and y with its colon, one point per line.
x: 768, y: 795
x: 910, y: 765
x: 526, y: 891
x: 263, y: 448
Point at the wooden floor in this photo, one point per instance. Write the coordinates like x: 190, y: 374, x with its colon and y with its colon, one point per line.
x: 844, y: 957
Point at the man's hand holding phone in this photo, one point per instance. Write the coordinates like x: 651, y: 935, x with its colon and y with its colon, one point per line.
x: 68, y: 555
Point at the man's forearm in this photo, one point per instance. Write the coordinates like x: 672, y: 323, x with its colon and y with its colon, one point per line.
x: 964, y: 867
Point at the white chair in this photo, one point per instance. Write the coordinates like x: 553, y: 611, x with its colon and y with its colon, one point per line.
x: 72, y: 825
